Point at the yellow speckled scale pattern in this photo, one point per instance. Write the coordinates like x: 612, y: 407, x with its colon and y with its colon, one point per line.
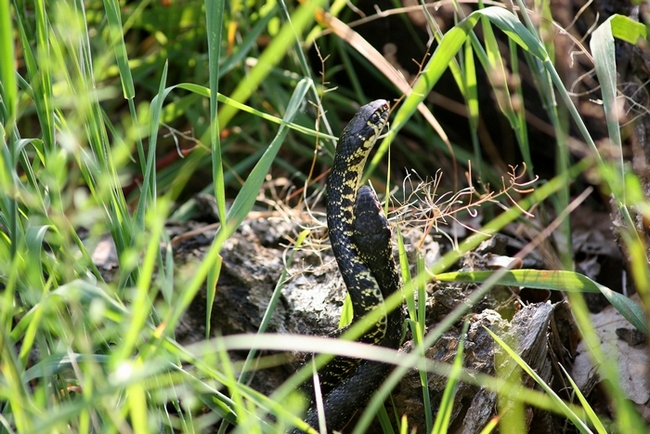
x: 360, y: 238
x: 356, y: 141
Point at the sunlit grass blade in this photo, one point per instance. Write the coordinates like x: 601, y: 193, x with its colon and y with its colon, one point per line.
x: 248, y: 109
x: 556, y: 280
x: 137, y: 403
x: 417, y: 322
x: 593, y: 418
x: 627, y: 418
x: 496, y: 72
x: 471, y: 98
x: 510, y: 407
x: 602, y: 47
x: 148, y: 192
x: 214, y: 20
x: 240, y: 208
x: 303, y: 16
x: 443, y: 418
x: 521, y: 125
x: 8, y: 87
x: 576, y: 419
x: 34, y: 238
x: 141, y: 306
x: 214, y: 11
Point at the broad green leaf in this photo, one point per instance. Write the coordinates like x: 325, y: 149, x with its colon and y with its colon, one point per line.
x: 626, y: 29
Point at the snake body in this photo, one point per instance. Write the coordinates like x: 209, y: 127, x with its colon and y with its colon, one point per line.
x: 360, y: 238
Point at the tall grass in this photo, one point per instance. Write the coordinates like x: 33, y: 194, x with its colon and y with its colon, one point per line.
x: 87, y: 94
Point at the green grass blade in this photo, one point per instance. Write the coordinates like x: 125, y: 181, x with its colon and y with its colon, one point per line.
x: 214, y: 20
x: 34, y: 237
x: 417, y: 323
x: 521, y: 126
x: 496, y: 72
x: 116, y: 32
x: 8, y: 86
x: 201, y: 90
x: 602, y: 47
x: 19, y: 400
x: 591, y: 415
x: 626, y: 29
x: 283, y: 342
x: 556, y: 280
x: 141, y: 305
x: 43, y: 78
x: 240, y: 208
x: 148, y: 192
x: 471, y: 98
x: 114, y: 18
x: 245, y: 199
x: 443, y: 418
x: 303, y: 16
x: 575, y: 419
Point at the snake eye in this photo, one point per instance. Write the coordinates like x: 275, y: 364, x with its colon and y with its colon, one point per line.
x: 374, y: 118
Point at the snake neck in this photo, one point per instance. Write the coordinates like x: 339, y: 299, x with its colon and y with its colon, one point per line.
x: 341, y: 196
x: 358, y: 278
x: 355, y: 144
x: 348, y: 382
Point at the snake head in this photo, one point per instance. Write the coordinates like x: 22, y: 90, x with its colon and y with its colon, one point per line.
x: 366, y: 125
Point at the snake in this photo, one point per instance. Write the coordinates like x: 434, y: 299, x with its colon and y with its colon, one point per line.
x: 361, y: 242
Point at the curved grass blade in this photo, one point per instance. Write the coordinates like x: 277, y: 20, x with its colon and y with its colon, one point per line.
x: 240, y: 208
x: 577, y: 421
x: 556, y: 280
x: 9, y: 88
x: 201, y: 90
x: 214, y: 21
x: 446, y: 403
x: 597, y: 424
x: 302, y: 17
